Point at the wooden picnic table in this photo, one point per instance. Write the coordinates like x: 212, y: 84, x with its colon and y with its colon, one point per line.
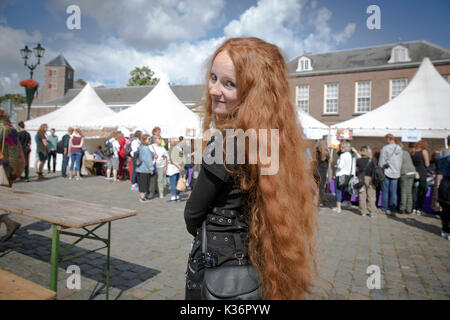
x: 63, y: 214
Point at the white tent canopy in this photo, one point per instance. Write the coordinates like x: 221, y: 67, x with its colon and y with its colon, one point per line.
x: 83, y: 108
x: 312, y: 128
x: 423, y: 105
x: 160, y: 108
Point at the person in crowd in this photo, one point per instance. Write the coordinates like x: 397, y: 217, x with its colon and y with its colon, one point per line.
x: 122, y: 156
x: 25, y: 142
x: 367, y: 194
x: 407, y: 175
x: 99, y: 155
x: 187, y: 150
x: 175, y: 169
x: 76, y: 143
x: 161, y: 166
x: 157, y: 132
x: 13, y: 161
x: 113, y: 160
x: 444, y: 189
x: 42, y: 148
x: 345, y: 166
x: 273, y: 214
x: 435, y: 206
x: 390, y: 161
x: 421, y: 160
x: 52, y: 143
x: 66, y: 154
x: 135, y: 143
x: 145, y: 169
x: 376, y: 159
x: 322, y: 161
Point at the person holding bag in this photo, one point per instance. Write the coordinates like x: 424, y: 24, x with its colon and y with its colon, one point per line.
x: 175, y: 172
x: 345, y: 171
x: 253, y: 231
x: 12, y: 163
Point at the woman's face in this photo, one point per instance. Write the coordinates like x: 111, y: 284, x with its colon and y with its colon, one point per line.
x: 222, y: 84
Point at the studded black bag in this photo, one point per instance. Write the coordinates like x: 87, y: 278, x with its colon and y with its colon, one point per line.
x: 228, y: 282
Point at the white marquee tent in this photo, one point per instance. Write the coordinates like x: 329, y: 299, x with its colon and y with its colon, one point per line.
x: 83, y: 108
x: 312, y: 128
x: 423, y: 105
x: 160, y: 107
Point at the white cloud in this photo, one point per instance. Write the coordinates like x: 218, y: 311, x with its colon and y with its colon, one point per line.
x: 279, y: 22
x: 182, y: 60
x: 151, y: 24
x: 10, y: 84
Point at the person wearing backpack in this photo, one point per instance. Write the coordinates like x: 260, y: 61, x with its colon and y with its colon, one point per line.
x: 144, y: 168
x: 367, y: 193
x: 65, y: 161
x: 407, y: 175
x: 112, y: 148
x: 391, y: 162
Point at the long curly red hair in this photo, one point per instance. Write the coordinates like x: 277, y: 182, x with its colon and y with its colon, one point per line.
x: 281, y: 206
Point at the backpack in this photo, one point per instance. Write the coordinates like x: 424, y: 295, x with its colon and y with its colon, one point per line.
x: 137, y: 159
x: 109, y: 149
x: 128, y: 147
x: 377, y: 174
x: 60, y: 146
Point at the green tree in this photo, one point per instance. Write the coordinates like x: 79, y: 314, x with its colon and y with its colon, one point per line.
x: 142, y: 77
x: 81, y: 82
x: 16, y: 98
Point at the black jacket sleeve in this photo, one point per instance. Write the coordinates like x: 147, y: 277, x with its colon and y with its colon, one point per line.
x: 205, y: 191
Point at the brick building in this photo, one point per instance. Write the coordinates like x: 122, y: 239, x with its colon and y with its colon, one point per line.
x: 337, y: 86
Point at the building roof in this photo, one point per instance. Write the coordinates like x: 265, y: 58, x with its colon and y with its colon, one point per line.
x: 369, y: 58
x: 59, y: 61
x: 190, y: 95
x: 423, y: 105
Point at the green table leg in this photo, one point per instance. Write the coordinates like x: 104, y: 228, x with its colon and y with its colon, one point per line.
x: 54, y: 260
x: 107, y: 260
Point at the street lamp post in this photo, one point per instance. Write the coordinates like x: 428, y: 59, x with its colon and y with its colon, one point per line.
x: 26, y: 54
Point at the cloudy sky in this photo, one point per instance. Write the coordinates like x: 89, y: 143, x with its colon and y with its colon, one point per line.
x: 175, y: 38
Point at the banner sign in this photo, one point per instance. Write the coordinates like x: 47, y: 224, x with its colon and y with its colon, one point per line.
x: 344, y: 134
x: 411, y: 135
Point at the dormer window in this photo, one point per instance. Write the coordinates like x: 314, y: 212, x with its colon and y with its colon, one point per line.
x: 304, y: 64
x: 399, y: 54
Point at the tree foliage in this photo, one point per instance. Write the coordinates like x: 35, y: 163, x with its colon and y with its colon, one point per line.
x: 142, y: 77
x: 16, y: 98
x: 81, y: 82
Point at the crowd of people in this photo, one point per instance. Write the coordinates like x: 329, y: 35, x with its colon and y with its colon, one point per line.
x: 397, y: 173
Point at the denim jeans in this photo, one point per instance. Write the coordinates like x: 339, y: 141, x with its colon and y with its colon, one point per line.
x: 65, y: 162
x: 76, y: 157
x: 389, y: 191
x: 173, y: 184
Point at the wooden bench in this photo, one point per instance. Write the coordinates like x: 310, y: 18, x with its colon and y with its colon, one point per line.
x: 13, y: 287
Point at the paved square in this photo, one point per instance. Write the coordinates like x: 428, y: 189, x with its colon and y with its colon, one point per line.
x: 149, y: 251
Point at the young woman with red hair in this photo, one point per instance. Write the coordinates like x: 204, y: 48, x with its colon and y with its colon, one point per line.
x: 268, y: 218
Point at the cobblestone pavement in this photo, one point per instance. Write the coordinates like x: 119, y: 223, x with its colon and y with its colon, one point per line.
x: 149, y: 251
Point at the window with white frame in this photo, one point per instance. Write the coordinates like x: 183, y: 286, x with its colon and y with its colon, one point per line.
x: 303, y: 97
x: 54, y: 72
x: 304, y: 64
x: 331, y: 98
x: 397, y: 86
x: 399, y: 54
x: 363, y: 91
